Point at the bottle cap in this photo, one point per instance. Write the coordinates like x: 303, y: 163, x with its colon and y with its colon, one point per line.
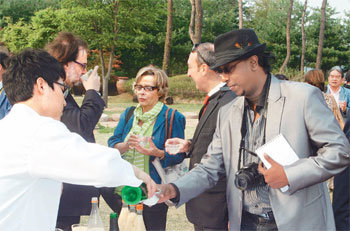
x: 131, y: 195
x: 113, y: 215
x: 139, y: 207
x: 94, y: 200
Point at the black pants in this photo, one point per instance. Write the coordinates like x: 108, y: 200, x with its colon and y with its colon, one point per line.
x: 155, y: 216
x: 251, y: 222
x: 202, y: 228
x: 66, y: 222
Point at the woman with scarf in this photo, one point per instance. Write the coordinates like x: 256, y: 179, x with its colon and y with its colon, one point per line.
x: 140, y: 138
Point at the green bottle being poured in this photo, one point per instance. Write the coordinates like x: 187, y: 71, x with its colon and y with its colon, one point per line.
x: 134, y: 195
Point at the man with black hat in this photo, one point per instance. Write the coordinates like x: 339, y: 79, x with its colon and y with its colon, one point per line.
x: 209, y: 210
x: 267, y: 108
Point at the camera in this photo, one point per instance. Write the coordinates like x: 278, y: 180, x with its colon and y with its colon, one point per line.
x: 248, y: 177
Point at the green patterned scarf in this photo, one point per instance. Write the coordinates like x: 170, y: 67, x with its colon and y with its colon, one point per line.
x: 133, y: 156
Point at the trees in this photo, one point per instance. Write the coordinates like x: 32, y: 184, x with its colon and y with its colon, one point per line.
x: 167, y: 45
x: 240, y: 8
x: 287, y: 37
x: 196, y: 21
x: 321, y: 35
x: 303, y: 39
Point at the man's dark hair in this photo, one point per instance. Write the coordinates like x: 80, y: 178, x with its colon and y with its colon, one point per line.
x: 264, y: 60
x: 3, y: 59
x: 281, y: 77
x: 65, y: 47
x: 25, y: 68
x: 347, y: 76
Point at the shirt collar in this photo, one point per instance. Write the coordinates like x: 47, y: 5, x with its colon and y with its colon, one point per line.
x: 0, y: 85
x: 216, y: 89
x: 264, y: 94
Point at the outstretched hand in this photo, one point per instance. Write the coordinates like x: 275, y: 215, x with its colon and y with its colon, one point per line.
x: 167, y: 192
x: 275, y: 176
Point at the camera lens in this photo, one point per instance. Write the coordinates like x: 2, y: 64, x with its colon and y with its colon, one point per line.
x: 248, y: 177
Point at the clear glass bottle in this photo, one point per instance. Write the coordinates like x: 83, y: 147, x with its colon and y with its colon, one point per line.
x: 95, y: 221
x: 113, y: 222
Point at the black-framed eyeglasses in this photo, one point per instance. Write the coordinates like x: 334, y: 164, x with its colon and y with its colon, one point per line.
x: 194, y: 49
x: 226, y: 69
x: 146, y: 88
x: 83, y: 65
x: 65, y: 89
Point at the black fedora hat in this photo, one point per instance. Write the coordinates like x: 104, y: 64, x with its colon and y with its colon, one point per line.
x: 236, y: 45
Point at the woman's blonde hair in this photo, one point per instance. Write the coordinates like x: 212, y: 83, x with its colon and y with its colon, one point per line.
x: 160, y: 77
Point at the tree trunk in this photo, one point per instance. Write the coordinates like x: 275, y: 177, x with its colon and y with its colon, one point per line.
x: 167, y: 45
x: 303, y: 39
x: 196, y: 21
x: 240, y: 10
x: 107, y: 76
x: 284, y: 65
x: 320, y: 37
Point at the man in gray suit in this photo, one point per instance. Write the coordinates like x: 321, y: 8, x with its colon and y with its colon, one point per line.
x: 267, y: 107
x: 208, y: 210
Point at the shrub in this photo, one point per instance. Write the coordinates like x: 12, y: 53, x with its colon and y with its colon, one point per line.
x: 179, y: 86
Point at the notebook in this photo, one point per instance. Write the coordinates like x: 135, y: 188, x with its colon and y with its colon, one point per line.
x: 280, y: 151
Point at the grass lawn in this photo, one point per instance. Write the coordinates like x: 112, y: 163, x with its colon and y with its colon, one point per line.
x: 116, y: 104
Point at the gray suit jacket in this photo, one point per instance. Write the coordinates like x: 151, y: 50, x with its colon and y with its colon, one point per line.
x: 299, y: 112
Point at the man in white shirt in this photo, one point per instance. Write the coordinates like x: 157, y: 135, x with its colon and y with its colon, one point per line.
x: 37, y: 148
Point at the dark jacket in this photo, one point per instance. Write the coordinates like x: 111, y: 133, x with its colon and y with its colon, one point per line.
x: 76, y: 199
x: 209, y: 209
x: 341, y: 193
x: 5, y: 105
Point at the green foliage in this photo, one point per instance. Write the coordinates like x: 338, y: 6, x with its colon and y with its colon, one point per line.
x: 22, y: 9
x: 15, y: 35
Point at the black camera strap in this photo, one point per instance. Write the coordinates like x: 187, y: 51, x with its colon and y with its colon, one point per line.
x: 244, y: 122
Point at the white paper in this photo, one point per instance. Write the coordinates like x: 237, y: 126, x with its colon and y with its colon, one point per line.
x: 280, y: 151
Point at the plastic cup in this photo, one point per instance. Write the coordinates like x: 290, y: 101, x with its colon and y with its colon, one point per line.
x: 143, y: 140
x: 173, y: 148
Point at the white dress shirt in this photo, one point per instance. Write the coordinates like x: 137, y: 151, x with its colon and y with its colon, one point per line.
x: 39, y: 153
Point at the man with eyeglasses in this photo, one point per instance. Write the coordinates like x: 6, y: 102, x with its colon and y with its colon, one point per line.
x: 38, y: 152
x: 335, y: 88
x: 209, y: 210
x: 71, y: 52
x: 290, y: 197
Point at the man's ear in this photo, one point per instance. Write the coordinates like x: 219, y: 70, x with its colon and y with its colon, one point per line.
x: 40, y: 86
x: 253, y: 62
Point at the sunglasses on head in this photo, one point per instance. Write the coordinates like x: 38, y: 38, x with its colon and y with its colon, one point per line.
x: 194, y: 49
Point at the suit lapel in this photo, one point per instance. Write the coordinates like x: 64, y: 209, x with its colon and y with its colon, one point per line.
x: 274, y: 110
x: 210, y: 108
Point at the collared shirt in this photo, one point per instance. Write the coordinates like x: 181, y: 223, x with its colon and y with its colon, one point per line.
x: 256, y: 201
x: 216, y: 89
x: 39, y: 153
x: 335, y: 94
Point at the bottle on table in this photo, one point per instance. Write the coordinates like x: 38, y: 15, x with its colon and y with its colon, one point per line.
x: 139, y: 223
x: 113, y: 222
x: 124, y: 213
x: 134, y: 195
x: 130, y: 222
x: 95, y: 221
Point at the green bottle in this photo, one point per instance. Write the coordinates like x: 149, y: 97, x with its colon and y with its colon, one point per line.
x: 113, y: 222
x: 134, y: 195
